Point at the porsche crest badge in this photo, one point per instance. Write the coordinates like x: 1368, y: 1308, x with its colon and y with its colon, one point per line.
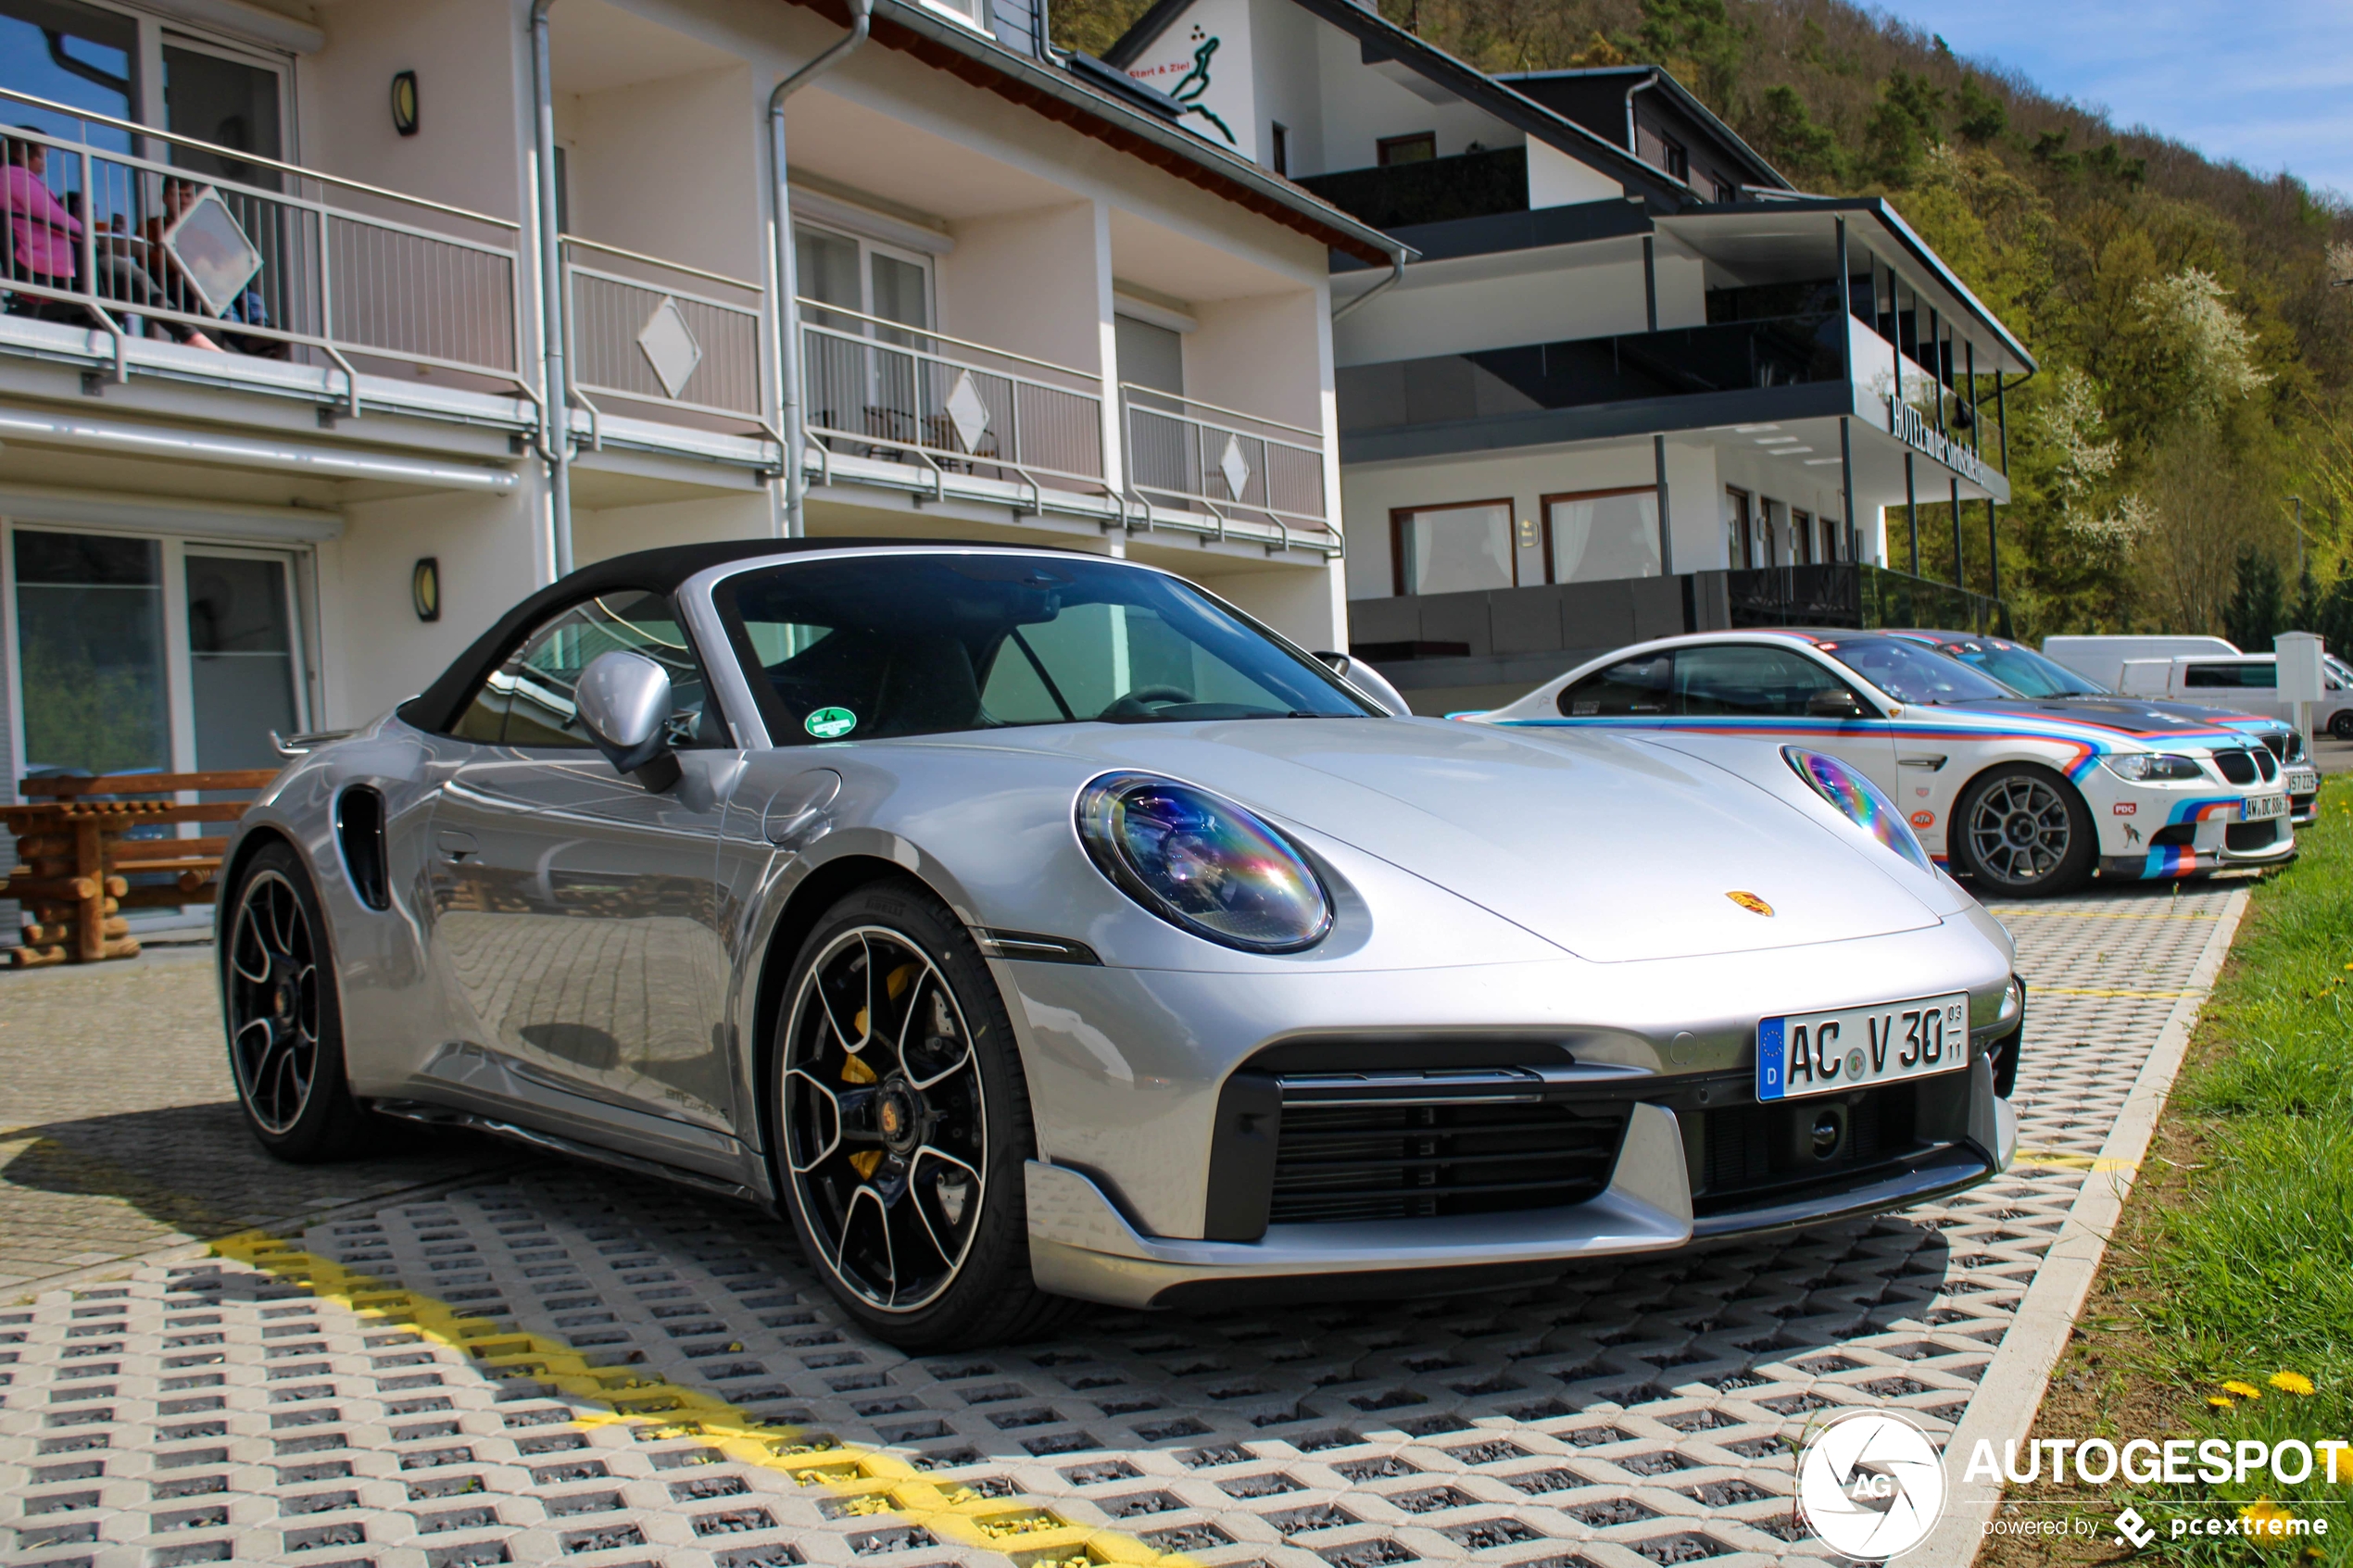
x: 1750, y: 902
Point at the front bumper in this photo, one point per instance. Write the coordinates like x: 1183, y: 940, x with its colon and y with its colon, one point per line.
x: 1666, y: 1190
x: 2152, y: 832
x: 2303, y: 794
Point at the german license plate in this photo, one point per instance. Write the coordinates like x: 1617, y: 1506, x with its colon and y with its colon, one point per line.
x: 2256, y: 807
x: 1823, y: 1053
x: 2303, y: 780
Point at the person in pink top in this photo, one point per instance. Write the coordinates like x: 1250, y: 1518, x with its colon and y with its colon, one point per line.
x: 43, y: 237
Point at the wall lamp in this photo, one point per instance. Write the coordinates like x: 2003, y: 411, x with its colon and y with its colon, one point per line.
x: 424, y: 588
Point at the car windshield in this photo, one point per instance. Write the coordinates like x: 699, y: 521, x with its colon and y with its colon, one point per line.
x: 2022, y: 669
x: 875, y: 646
x: 1908, y: 672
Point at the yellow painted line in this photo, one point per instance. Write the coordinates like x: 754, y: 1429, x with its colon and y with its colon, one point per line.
x: 2069, y: 1162
x: 874, y: 1482
x: 2016, y: 911
x: 2104, y: 991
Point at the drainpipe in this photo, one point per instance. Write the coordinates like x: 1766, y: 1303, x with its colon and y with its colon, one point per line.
x: 1633, y: 147
x: 555, y: 413
x: 787, y: 271
x: 1397, y: 255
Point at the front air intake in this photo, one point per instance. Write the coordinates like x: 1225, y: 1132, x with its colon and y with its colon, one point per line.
x: 1340, y: 1157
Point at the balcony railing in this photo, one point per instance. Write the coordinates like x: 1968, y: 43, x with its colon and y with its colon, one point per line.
x: 878, y: 388
x: 1857, y: 595
x: 1195, y: 456
x: 265, y: 266
x: 1731, y: 356
x: 666, y: 338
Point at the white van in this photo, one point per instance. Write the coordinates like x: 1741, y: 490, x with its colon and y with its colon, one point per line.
x: 2101, y: 659
x: 2243, y: 683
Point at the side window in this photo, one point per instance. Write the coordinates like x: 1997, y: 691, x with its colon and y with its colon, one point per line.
x: 527, y: 701
x: 2263, y: 676
x: 1746, y: 681
x: 1635, y: 685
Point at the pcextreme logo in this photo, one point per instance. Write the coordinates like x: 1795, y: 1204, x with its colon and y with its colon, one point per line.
x: 1870, y: 1485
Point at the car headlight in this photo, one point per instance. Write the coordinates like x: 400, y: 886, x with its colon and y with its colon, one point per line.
x: 1861, y: 802
x: 2295, y: 746
x: 2145, y: 767
x: 1203, y: 863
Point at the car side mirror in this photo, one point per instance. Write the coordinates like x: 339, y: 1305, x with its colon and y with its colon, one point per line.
x: 1368, y: 681
x: 1834, y: 702
x: 623, y: 703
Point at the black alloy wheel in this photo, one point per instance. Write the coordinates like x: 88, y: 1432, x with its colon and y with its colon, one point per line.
x: 285, y: 1016
x: 2341, y: 723
x: 905, y: 1125
x: 2024, y: 833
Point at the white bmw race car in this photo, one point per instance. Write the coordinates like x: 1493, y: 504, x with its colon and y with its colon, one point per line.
x: 2029, y: 801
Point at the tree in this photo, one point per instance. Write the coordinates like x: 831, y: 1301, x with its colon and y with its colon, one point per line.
x: 1908, y: 121
x: 2253, y: 616
x: 2336, y: 620
x: 1984, y: 117
x: 2304, y: 615
x: 1788, y: 134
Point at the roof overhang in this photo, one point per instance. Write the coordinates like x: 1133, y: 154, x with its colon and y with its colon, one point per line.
x: 1800, y: 231
x: 1384, y: 40
x: 1058, y: 95
x: 1659, y: 80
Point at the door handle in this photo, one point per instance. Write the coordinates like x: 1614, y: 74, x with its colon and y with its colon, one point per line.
x: 456, y: 847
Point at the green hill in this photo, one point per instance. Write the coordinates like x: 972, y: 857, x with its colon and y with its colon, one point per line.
x: 2191, y: 318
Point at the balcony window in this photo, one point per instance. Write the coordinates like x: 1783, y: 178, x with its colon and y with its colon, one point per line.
x: 1596, y: 535
x: 1450, y: 550
x: 70, y: 53
x: 1420, y: 147
x: 226, y: 99
x: 1739, y: 541
x: 861, y: 275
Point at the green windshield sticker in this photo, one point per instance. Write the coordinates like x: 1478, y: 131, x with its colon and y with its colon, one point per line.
x: 830, y: 724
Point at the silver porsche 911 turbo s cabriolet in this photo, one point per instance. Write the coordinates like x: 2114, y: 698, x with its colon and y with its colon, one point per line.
x: 1029, y: 925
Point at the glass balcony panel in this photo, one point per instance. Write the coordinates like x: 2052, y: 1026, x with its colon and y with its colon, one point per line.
x: 1728, y: 356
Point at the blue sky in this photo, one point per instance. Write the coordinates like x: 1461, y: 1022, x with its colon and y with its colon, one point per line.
x: 2269, y: 85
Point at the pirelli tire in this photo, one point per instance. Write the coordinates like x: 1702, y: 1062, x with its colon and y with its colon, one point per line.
x: 2021, y: 830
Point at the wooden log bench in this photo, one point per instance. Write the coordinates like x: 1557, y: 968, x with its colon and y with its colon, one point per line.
x: 76, y: 861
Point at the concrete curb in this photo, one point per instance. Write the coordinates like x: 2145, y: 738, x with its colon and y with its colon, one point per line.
x: 2011, y: 1396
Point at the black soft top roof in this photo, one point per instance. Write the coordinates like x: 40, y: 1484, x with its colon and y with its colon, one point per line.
x: 654, y: 571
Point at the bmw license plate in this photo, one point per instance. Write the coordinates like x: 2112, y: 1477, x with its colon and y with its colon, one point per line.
x: 1823, y: 1053
x: 2256, y: 807
x: 2303, y: 780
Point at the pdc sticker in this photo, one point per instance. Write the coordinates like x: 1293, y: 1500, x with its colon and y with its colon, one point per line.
x: 830, y: 724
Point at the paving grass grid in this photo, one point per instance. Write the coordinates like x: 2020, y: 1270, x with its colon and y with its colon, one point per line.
x: 480, y: 1357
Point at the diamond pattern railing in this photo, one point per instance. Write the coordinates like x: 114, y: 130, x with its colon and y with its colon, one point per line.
x: 677, y: 343
x: 279, y: 262
x: 877, y: 388
x: 1187, y: 455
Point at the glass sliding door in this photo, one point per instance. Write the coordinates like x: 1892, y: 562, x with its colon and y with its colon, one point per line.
x: 240, y: 658
x: 93, y: 679
x: 134, y: 655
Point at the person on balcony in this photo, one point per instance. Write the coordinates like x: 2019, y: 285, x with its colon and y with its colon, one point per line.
x: 43, y: 237
x: 124, y: 282
x: 180, y: 293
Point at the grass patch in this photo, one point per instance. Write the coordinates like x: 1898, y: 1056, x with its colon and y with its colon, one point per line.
x: 2233, y: 1262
